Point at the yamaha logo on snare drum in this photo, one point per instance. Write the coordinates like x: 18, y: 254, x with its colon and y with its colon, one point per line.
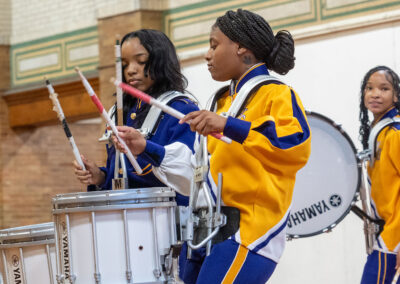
x: 313, y: 211
x: 15, y: 260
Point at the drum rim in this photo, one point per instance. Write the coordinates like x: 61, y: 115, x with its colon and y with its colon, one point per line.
x: 28, y: 235
x: 356, y: 193
x: 115, y: 195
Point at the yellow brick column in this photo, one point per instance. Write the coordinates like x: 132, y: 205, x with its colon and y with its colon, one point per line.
x: 4, y: 84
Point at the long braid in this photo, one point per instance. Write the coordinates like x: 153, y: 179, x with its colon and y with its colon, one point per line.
x: 254, y: 33
x: 365, y: 126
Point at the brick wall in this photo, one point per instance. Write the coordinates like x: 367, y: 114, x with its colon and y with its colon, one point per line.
x: 33, y: 19
x: 5, y: 21
x: 36, y: 164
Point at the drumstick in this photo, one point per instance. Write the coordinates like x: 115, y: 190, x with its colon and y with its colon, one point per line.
x: 60, y: 114
x: 105, y: 116
x: 396, y: 276
x: 167, y: 109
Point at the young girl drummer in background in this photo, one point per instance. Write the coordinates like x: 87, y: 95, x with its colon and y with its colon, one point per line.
x: 271, y: 143
x: 150, y: 64
x: 380, y: 94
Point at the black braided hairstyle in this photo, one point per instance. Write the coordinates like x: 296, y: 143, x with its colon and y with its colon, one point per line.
x: 393, y: 78
x: 163, y: 67
x: 254, y: 33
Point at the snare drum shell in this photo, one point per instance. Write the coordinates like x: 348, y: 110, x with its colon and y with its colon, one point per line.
x: 74, y: 225
x: 26, y: 259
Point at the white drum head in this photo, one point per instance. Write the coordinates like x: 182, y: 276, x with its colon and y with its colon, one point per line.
x: 325, y: 188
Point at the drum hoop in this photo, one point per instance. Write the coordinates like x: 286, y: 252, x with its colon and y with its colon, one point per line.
x: 30, y: 232
x: 112, y: 207
x: 27, y: 243
x: 356, y: 193
x: 113, y: 195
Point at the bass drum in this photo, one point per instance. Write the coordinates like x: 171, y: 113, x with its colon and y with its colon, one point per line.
x: 327, y: 186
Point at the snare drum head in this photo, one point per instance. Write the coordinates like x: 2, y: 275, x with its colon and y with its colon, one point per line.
x: 325, y: 188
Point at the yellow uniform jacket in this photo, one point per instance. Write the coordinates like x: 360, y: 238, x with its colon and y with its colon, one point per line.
x: 385, y: 185
x: 272, y: 141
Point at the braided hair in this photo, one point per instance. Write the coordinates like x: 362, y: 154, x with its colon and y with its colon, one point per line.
x: 393, y: 78
x: 254, y: 33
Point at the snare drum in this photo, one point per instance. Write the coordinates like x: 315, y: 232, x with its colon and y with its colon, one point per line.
x: 326, y: 187
x: 115, y: 237
x: 28, y: 254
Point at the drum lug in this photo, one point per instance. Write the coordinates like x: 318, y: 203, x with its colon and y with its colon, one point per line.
x: 157, y: 273
x: 60, y: 279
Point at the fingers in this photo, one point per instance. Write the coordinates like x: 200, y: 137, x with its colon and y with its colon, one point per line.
x: 204, y: 122
x: 187, y: 118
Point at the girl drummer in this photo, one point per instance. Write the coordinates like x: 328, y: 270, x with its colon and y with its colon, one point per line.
x: 271, y: 143
x: 150, y: 64
x: 380, y: 95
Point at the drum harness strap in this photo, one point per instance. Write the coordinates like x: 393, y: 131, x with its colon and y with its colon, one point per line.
x: 149, y: 127
x: 372, y: 227
x: 206, y: 226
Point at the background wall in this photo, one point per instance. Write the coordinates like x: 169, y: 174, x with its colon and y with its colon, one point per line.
x: 336, y: 43
x: 327, y: 76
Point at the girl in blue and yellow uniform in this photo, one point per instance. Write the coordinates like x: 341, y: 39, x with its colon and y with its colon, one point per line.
x: 271, y: 143
x: 150, y: 64
x: 380, y: 94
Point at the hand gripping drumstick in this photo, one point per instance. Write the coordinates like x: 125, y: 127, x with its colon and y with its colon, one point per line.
x: 396, y: 276
x: 105, y: 116
x: 167, y: 109
x: 60, y: 114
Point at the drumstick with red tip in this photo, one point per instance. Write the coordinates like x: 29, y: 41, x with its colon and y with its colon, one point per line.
x: 396, y: 276
x: 60, y: 114
x: 108, y: 120
x: 167, y: 109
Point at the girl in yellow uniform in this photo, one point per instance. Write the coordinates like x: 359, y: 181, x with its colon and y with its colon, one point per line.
x: 271, y: 142
x: 380, y: 94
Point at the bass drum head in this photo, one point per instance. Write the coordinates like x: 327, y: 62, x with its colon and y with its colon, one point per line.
x: 326, y: 187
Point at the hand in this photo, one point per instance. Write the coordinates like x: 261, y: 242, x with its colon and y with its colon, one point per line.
x: 398, y: 260
x: 92, y: 175
x: 205, y: 122
x: 133, y: 139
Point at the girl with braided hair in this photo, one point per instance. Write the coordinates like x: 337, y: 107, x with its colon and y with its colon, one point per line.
x: 380, y: 95
x: 271, y: 143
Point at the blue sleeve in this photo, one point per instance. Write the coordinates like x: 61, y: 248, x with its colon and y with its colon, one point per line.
x: 170, y: 131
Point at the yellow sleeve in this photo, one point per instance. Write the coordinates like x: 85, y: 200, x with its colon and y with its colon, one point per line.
x: 280, y: 137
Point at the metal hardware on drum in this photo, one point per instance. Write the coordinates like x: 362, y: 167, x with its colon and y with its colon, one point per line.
x: 213, y: 220
x: 27, y: 254
x: 116, y: 237
x: 326, y: 187
x: 372, y: 227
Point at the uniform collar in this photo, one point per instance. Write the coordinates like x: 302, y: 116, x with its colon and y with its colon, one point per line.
x: 255, y: 70
x: 390, y: 113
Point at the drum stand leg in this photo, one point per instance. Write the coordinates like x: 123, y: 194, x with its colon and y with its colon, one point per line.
x: 97, y: 275
x: 51, y: 273
x: 5, y: 265
x: 157, y: 270
x: 23, y: 265
x: 127, y: 248
x: 59, y: 276
x: 72, y: 277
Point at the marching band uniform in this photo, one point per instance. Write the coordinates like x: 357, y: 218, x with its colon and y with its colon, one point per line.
x: 385, y: 198
x: 272, y: 142
x: 168, y: 134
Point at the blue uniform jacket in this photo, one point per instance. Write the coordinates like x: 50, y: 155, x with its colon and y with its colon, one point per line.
x: 167, y: 132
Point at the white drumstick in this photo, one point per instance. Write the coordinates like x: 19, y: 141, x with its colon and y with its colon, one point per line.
x: 60, y: 114
x: 109, y: 121
x: 396, y: 276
